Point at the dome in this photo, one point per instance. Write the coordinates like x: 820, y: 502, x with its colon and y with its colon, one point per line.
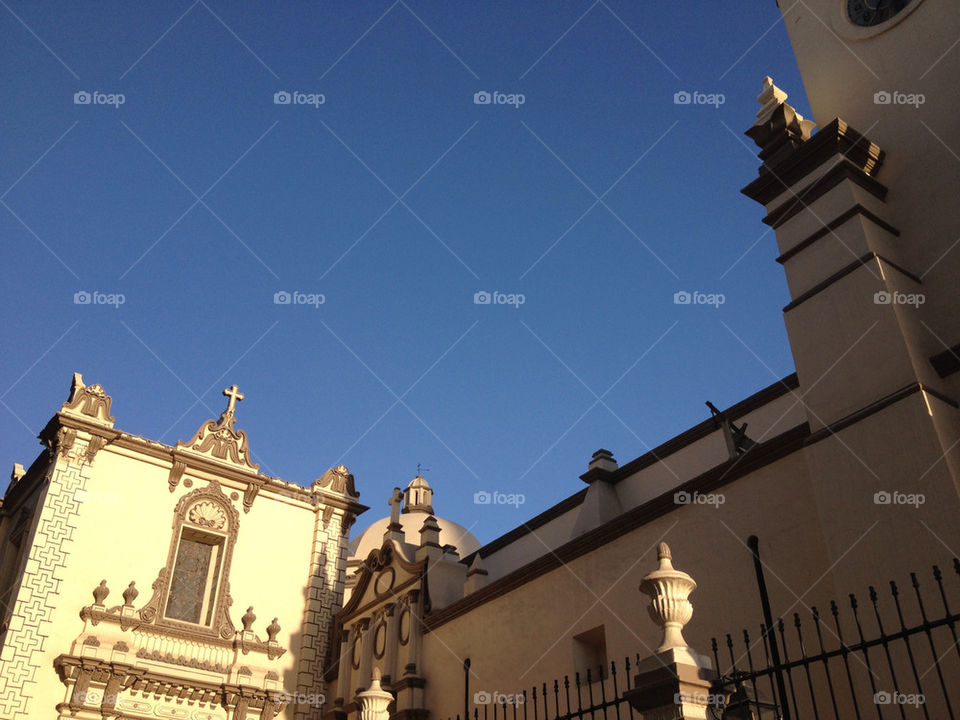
x: 417, y: 507
x: 450, y: 534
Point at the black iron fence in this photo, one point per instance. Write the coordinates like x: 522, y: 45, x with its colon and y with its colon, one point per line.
x: 596, y: 695
x: 896, y: 656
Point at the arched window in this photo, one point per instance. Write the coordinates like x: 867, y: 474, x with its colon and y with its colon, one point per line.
x: 193, y: 589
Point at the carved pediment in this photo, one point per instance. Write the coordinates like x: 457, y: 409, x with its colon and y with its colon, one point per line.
x: 219, y: 439
x: 88, y: 400
x: 384, y: 576
x: 338, y: 480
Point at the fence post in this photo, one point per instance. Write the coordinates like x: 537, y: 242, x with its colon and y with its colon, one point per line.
x: 675, y: 681
x: 374, y: 700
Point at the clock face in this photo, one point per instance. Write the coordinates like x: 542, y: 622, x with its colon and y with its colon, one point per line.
x: 868, y: 13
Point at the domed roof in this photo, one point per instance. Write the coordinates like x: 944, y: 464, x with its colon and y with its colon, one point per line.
x: 450, y: 534
x: 417, y: 507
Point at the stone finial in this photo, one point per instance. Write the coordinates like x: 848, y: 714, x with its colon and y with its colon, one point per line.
x: 769, y: 98
x: 430, y: 532
x: 100, y: 593
x: 604, y: 460
x: 669, y: 607
x: 18, y: 472
x: 130, y: 594
x: 779, y: 128
x: 273, y: 630
x: 374, y: 700
x: 248, y: 619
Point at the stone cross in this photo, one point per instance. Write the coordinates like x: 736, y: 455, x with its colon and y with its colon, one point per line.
x: 232, y: 392
x: 396, y: 500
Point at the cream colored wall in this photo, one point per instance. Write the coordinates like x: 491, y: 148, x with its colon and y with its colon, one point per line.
x: 123, y: 533
x: 525, y: 636
x: 842, y: 68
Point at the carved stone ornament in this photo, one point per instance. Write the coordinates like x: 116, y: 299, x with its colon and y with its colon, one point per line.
x: 273, y: 630
x: 249, y: 495
x: 374, y: 700
x: 779, y: 128
x: 379, y: 558
x: 100, y: 593
x: 338, y: 480
x: 219, y: 438
x: 669, y: 607
x: 130, y: 594
x: 176, y: 472
x: 62, y: 443
x: 93, y: 447
x: 248, y: 619
x: 207, y: 514
x: 90, y: 401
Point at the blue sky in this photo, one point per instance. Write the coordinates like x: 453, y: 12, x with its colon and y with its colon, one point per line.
x: 397, y: 199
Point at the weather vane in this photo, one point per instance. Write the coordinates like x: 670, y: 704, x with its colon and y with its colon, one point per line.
x: 421, y: 470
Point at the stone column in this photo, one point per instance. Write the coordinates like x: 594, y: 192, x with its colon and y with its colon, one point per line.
x: 392, y: 645
x: 365, y: 638
x: 345, y: 666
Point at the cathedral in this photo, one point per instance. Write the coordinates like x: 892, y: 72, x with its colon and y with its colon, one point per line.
x: 143, y: 580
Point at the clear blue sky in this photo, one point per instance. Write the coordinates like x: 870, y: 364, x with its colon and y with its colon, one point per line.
x: 398, y: 198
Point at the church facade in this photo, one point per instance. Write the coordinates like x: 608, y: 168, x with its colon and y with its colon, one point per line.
x: 142, y: 579
x: 845, y: 474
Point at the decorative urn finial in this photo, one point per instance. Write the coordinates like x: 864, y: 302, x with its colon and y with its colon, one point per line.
x: 100, y: 593
x: 669, y: 607
x: 130, y: 594
x: 272, y: 630
x: 248, y: 619
x: 374, y: 700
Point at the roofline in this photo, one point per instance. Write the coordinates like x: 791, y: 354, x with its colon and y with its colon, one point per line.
x: 678, y: 442
x: 726, y: 472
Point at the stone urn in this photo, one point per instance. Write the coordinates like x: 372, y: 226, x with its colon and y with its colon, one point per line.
x: 669, y: 607
x: 374, y: 700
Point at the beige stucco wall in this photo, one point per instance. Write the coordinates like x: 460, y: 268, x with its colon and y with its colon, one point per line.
x: 525, y: 636
x: 122, y: 524
x: 843, y: 67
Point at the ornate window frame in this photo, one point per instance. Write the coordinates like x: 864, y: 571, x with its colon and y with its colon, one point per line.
x: 197, y: 513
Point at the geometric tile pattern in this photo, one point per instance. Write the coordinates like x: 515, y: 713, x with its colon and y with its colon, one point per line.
x: 38, y: 593
x: 324, y: 600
